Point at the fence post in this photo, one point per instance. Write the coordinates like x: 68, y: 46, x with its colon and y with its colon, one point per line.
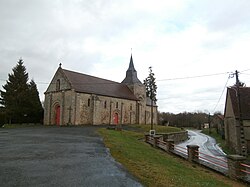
x: 235, y: 167
x: 170, y: 145
x: 193, y: 153
x: 146, y: 138
x: 156, y: 138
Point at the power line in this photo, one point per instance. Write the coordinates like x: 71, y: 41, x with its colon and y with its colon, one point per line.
x: 168, y: 79
x: 179, y: 97
x: 192, y: 77
x: 221, y: 94
x: 245, y: 73
x: 244, y: 70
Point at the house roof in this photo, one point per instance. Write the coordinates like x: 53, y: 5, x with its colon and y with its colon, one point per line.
x: 219, y: 116
x: 93, y: 85
x: 244, y: 93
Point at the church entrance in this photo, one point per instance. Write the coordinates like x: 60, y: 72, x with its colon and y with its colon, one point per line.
x: 115, y: 118
x: 57, y: 115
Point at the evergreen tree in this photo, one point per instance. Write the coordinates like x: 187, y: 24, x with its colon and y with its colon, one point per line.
x: 36, y: 109
x: 2, y: 116
x: 19, y: 98
x: 151, y: 89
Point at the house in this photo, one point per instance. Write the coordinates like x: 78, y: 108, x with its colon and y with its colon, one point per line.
x: 218, y: 123
x: 74, y: 98
x: 237, y: 119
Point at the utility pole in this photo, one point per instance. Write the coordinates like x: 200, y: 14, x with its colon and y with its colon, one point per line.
x: 243, y: 147
x: 209, y: 124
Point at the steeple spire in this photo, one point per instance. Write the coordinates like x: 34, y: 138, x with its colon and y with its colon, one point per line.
x: 131, y: 64
x: 131, y: 74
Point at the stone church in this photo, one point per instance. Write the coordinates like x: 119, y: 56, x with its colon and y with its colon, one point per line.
x: 74, y: 98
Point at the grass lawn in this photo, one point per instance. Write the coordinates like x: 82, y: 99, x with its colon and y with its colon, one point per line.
x: 154, y: 167
x: 158, y: 128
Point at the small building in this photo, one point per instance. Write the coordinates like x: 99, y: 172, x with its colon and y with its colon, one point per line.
x: 74, y: 98
x: 218, y: 123
x: 205, y: 125
x: 237, y: 119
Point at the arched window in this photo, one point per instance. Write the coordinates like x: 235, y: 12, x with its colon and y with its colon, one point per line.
x: 116, y: 104
x: 58, y: 85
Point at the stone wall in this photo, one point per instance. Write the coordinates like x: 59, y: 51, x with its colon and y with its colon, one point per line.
x: 66, y: 101
x: 176, y: 136
x: 148, y: 115
x: 101, y: 110
x: 232, y: 134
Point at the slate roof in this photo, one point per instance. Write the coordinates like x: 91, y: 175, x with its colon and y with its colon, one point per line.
x: 245, y: 101
x: 131, y: 74
x: 93, y: 85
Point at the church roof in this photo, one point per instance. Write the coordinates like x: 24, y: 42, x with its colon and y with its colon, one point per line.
x: 244, y: 101
x: 131, y: 74
x: 93, y: 85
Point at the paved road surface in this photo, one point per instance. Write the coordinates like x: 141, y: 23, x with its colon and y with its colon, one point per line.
x: 206, y: 143
x: 208, y: 148
x: 58, y: 157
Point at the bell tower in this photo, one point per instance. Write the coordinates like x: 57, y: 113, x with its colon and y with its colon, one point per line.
x: 131, y: 74
x: 133, y: 83
x: 139, y: 90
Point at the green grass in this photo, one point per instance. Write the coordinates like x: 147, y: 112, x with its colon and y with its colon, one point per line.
x: 218, y: 138
x: 158, y: 128
x: 154, y: 167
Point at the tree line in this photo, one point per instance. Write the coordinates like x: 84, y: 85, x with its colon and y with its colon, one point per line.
x: 19, y: 99
x: 186, y: 119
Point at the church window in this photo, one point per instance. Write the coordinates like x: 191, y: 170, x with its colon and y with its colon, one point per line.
x: 131, y: 107
x: 88, y: 102
x: 116, y: 104
x: 105, y: 104
x: 58, y: 85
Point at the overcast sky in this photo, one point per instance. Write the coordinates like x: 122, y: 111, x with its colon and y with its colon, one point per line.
x: 179, y: 39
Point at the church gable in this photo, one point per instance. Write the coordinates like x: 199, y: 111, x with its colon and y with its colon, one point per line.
x: 59, y: 82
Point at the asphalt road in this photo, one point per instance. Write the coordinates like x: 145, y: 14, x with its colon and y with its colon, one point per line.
x: 206, y: 143
x: 209, y: 151
x: 54, y: 156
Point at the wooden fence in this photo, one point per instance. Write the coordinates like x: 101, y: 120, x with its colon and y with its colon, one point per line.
x: 233, y: 166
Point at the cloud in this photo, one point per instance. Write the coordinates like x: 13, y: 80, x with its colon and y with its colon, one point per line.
x: 177, y: 38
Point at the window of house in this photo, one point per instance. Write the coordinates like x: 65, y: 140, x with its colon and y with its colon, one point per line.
x: 88, y: 102
x: 131, y: 107
x: 116, y: 104
x: 58, y: 85
x: 105, y: 104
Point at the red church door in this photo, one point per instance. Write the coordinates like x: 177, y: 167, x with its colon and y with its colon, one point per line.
x: 58, y: 115
x: 115, y: 118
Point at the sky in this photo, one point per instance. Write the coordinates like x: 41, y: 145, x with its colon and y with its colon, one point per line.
x: 193, y: 46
